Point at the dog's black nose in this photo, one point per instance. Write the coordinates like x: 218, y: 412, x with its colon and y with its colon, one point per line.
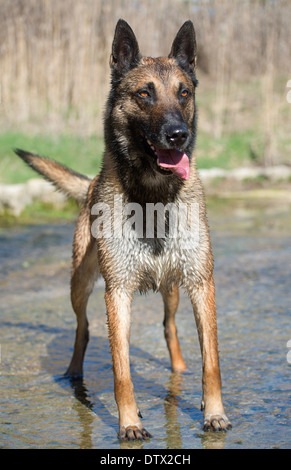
x: 177, y: 136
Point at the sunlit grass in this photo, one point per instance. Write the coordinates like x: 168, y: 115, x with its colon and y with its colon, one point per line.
x: 81, y: 154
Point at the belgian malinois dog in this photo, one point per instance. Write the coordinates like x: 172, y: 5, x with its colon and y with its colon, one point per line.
x: 150, y: 130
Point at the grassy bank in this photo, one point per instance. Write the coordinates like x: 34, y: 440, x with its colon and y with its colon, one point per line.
x: 41, y: 213
x: 84, y: 154
x: 241, y: 205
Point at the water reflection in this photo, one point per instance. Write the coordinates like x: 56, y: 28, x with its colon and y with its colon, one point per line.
x: 172, y: 402
x: 213, y: 440
x: 81, y: 406
x: 173, y: 429
x: 81, y: 392
x: 174, y: 434
x: 252, y: 273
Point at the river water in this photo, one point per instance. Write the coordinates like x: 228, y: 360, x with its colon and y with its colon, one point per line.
x: 41, y: 409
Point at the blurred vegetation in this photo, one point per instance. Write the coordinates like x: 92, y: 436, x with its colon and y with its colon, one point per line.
x: 39, y: 212
x: 83, y: 154
x: 54, y: 77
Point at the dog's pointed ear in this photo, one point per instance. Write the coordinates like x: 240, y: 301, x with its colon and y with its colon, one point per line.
x: 184, y: 47
x: 125, y: 50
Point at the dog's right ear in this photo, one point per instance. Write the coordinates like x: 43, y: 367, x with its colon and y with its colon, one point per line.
x: 125, y: 50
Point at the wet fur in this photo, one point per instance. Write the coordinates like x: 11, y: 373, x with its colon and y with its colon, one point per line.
x: 129, y: 264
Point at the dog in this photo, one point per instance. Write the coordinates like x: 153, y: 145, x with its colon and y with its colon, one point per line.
x: 150, y: 131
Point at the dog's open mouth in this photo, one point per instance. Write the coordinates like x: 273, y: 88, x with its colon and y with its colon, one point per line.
x: 170, y: 160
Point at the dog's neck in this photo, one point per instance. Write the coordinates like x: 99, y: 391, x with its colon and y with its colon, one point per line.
x: 142, y: 188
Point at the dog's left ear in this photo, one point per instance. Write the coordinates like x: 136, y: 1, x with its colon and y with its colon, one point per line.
x: 184, y: 47
x: 125, y: 50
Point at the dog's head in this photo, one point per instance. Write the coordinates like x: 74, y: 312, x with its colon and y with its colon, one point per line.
x: 151, y: 117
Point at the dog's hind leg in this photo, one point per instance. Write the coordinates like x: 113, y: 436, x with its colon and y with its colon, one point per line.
x: 84, y: 274
x: 171, y: 300
x: 118, y: 303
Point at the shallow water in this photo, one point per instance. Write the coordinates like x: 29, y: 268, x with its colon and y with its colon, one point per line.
x: 41, y: 409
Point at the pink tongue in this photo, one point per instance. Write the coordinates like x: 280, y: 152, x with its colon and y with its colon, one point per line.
x: 175, y: 161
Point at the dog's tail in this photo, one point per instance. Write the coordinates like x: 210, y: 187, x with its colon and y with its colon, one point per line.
x: 73, y: 184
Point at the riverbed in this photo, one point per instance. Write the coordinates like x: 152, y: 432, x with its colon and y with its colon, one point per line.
x: 41, y: 409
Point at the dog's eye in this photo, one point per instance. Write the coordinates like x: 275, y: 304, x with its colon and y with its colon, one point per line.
x: 144, y: 93
x: 184, y: 93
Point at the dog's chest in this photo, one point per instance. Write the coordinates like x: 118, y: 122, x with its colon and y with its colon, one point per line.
x: 153, y: 263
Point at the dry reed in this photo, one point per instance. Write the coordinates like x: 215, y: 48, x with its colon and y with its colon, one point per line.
x: 54, y: 55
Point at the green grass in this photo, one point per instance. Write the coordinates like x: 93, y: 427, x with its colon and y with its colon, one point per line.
x: 83, y: 154
x: 229, y: 151
x: 41, y: 213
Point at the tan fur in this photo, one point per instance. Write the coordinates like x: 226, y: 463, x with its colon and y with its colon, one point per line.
x: 171, y: 300
x: 71, y: 183
x: 131, y: 264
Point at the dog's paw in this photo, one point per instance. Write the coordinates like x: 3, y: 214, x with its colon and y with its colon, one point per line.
x: 216, y: 422
x: 133, y: 433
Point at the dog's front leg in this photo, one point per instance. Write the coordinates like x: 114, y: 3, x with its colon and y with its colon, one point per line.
x: 118, y: 311
x: 203, y: 301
